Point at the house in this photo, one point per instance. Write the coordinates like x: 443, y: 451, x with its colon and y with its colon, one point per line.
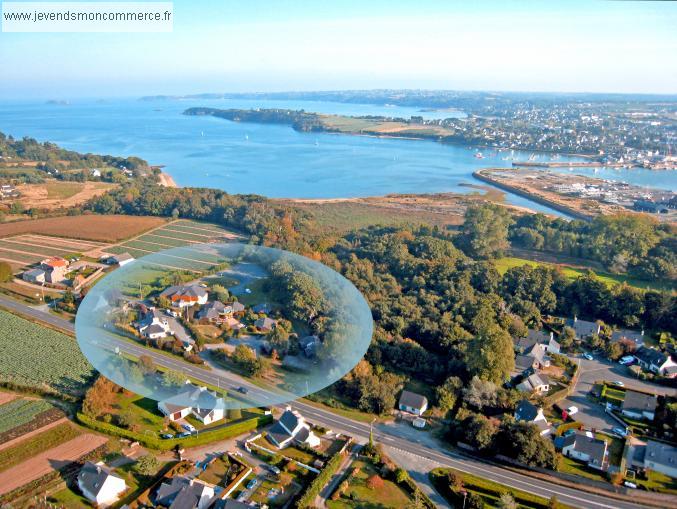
x: 193, y: 400
x: 654, y: 360
x: 34, y: 276
x: 525, y: 364
x: 528, y: 412
x: 413, y: 403
x: 309, y: 345
x: 265, y: 324
x: 536, y: 337
x: 628, y: 335
x: 638, y: 405
x: 184, y: 493
x: 214, y: 312
x: 540, y: 353
x: 661, y: 457
x: 291, y: 427
x: 55, y: 269
x: 99, y: 485
x: 670, y: 372
x: 534, y: 383
x: 583, y: 329
x: 154, y: 325
x: 120, y: 259
x: 592, y: 451
x: 186, y: 295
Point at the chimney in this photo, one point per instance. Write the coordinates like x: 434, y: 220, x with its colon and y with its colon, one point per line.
x: 575, y: 318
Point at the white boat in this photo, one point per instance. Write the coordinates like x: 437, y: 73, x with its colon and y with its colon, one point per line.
x: 479, y: 155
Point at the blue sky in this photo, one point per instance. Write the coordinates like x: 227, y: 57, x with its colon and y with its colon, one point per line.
x: 267, y: 45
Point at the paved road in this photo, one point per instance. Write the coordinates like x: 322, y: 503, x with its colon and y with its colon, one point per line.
x: 388, y: 436
x: 592, y: 413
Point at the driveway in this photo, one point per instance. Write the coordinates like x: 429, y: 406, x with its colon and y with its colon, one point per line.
x: 591, y: 413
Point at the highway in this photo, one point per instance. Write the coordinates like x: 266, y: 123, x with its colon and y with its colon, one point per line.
x: 318, y: 415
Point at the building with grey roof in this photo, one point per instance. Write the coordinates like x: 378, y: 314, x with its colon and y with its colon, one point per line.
x: 638, y: 405
x: 99, y: 484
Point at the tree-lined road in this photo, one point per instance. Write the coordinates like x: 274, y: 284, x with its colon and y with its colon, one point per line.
x: 388, y: 436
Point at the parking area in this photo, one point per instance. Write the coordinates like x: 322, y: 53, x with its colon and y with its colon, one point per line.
x: 590, y: 412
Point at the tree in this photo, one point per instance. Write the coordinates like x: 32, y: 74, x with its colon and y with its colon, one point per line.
x: 553, y: 503
x: 5, y: 272
x: 447, y: 393
x: 147, y: 365
x: 479, y: 432
x: 566, y: 339
x: 484, y: 233
x: 506, y: 501
x: 375, y: 482
x: 474, y: 501
x: 173, y: 378
x: 490, y: 355
x: 147, y: 465
x: 523, y: 442
x: 401, y: 475
x: 417, y: 501
x: 480, y: 393
x: 221, y: 293
x: 455, y: 481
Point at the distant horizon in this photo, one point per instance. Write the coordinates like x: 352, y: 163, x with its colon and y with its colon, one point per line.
x: 149, y: 95
x: 577, y: 46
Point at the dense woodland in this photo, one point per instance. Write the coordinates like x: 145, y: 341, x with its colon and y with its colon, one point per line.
x: 443, y: 314
x: 51, y: 157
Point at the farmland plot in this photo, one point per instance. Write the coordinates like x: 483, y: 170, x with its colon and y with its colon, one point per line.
x: 21, y: 411
x: 33, y: 356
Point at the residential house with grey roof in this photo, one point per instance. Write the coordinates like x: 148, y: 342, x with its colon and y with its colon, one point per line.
x: 638, y: 405
x: 582, y: 447
x: 582, y: 328
x: 99, y: 484
x: 413, y: 403
x: 291, y: 427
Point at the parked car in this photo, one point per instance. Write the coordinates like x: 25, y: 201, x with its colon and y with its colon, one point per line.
x: 627, y: 360
x: 621, y: 432
x: 588, y: 356
x: 189, y: 427
x: 274, y: 469
x: 252, y: 484
x: 167, y: 435
x: 618, y: 383
x: 243, y: 390
x: 629, y: 484
x: 572, y: 410
x: 183, y: 434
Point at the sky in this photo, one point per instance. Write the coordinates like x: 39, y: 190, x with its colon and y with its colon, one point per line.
x: 280, y: 45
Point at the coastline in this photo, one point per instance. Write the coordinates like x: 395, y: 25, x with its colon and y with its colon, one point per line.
x: 166, y: 180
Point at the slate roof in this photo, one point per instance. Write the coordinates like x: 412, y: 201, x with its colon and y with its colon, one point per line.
x: 190, y: 495
x: 265, y: 323
x: 539, y: 336
x: 195, y: 397
x: 92, y: 477
x: 661, y: 453
x: 582, y: 328
x: 413, y: 400
x: 651, y: 356
x: 212, y: 310
x: 593, y: 447
x: 237, y: 307
x: 635, y: 336
x: 639, y: 402
x: 122, y: 257
x: 290, y: 419
x: 526, y: 411
x: 154, y: 329
x: 184, y: 292
x: 523, y: 362
x: 167, y: 492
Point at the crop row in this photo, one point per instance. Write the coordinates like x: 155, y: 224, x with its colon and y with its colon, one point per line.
x: 21, y: 411
x: 33, y: 356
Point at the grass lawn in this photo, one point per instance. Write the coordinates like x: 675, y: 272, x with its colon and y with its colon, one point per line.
x: 62, y: 190
x: 659, y: 482
x: 69, y: 499
x: 328, y: 399
x: 488, y: 490
x: 572, y: 466
x: 503, y: 264
x: 39, y: 443
x: 143, y: 411
x: 216, y: 471
x: 360, y: 495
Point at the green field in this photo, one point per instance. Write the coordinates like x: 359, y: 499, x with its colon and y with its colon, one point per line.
x: 503, y: 264
x: 36, y: 357
x: 21, y: 411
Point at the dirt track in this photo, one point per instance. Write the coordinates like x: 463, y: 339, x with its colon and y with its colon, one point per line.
x: 47, y: 461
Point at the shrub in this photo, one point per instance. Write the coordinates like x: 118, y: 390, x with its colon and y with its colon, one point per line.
x: 375, y: 482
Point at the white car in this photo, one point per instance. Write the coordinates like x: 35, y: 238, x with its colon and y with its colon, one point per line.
x: 189, y: 427
x: 628, y: 359
x: 572, y: 410
x: 618, y: 383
